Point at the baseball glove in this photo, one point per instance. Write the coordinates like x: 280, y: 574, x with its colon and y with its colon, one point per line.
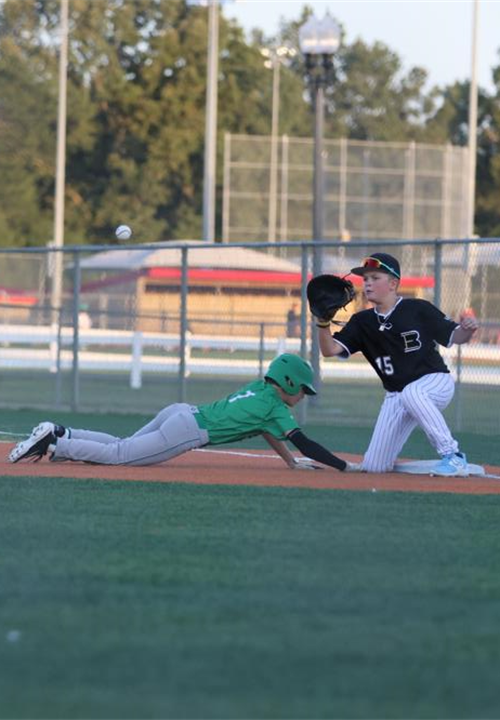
x: 327, y: 294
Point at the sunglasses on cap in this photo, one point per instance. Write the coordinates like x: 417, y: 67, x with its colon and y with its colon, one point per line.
x: 376, y: 264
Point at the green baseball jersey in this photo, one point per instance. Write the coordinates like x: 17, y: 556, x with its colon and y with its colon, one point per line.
x: 252, y: 410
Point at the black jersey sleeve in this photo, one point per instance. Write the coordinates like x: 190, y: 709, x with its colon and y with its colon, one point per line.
x: 440, y: 326
x: 350, y: 336
x: 314, y: 450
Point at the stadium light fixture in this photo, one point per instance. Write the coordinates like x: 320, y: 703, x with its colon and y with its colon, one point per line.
x: 319, y: 40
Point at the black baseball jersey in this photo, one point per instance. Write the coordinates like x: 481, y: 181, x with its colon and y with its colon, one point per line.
x: 401, y: 346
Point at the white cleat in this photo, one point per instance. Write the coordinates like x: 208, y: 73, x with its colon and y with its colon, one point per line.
x: 37, y: 445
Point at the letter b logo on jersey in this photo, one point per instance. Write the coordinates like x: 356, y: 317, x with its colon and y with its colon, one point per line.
x: 411, y: 340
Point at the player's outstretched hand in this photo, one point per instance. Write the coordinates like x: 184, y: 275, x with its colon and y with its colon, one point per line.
x: 304, y: 463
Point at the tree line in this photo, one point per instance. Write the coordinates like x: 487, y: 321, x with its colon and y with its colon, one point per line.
x: 136, y: 114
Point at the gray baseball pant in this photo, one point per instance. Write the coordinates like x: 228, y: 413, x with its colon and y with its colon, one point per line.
x: 172, y: 432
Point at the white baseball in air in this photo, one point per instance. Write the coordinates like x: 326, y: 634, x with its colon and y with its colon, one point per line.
x: 123, y: 232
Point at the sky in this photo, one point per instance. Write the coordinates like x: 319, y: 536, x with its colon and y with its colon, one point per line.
x: 433, y: 34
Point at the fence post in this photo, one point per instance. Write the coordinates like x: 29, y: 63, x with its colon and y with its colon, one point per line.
x: 183, y: 325
x: 438, y: 273
x: 458, y: 390
x: 77, y: 277
x: 303, y: 302
x: 136, y: 370
x: 58, y: 368
x: 261, y: 350
x: 302, y: 408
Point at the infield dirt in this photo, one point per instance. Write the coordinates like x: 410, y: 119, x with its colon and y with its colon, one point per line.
x: 253, y: 468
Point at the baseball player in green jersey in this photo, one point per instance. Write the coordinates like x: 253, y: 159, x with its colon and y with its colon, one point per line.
x: 262, y: 407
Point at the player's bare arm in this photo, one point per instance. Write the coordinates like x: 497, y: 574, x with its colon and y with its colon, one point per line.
x: 281, y: 449
x: 329, y: 347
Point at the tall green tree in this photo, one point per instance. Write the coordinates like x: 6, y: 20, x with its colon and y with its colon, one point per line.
x: 136, y: 113
x: 450, y: 124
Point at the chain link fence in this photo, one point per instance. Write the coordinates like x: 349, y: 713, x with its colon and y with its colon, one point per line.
x: 371, y: 189
x: 143, y: 326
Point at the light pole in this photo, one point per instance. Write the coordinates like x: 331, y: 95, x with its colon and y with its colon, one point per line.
x: 473, y: 121
x: 274, y: 59
x: 211, y: 124
x: 319, y: 40
x: 470, y: 265
x: 57, y: 272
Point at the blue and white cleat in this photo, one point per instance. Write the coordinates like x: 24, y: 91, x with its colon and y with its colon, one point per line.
x: 452, y: 465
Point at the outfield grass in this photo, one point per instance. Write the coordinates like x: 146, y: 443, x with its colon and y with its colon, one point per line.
x: 139, y: 600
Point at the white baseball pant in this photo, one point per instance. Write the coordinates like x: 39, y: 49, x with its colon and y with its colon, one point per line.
x: 419, y: 404
x: 172, y: 432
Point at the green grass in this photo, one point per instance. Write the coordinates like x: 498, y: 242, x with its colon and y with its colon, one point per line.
x: 170, y: 601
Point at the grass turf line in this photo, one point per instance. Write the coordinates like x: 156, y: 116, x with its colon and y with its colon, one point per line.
x: 147, y: 600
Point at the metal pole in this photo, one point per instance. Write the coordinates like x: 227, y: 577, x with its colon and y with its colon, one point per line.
x: 77, y: 278
x: 273, y: 170
x: 57, y: 279
x: 226, y: 194
x: 438, y: 273
x: 458, y: 390
x: 343, y: 187
x: 473, y: 122
x: 302, y: 409
x: 284, y: 190
x: 183, y: 325
x: 261, y: 349
x: 318, y: 203
x: 211, y: 124
x: 58, y: 390
x: 303, y: 301
x: 318, y: 215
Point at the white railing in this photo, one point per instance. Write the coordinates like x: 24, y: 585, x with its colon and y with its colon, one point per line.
x: 37, y: 348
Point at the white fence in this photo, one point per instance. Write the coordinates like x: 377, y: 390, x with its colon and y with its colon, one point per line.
x: 135, y: 353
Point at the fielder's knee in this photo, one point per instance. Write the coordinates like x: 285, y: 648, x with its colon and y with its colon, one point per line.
x: 374, y: 466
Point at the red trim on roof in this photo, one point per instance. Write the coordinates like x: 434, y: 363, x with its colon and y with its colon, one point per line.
x: 11, y: 296
x: 213, y: 274
x: 111, y: 280
x: 261, y: 277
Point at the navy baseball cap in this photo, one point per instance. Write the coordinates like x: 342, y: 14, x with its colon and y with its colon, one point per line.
x: 383, y: 262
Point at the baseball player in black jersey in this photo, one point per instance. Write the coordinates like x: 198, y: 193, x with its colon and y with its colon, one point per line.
x: 399, y: 338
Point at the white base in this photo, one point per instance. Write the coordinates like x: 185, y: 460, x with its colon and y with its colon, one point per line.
x: 425, y: 467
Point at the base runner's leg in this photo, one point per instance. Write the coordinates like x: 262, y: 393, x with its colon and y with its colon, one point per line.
x: 176, y: 435
x: 163, y: 415
x: 392, y: 429
x: 154, y: 424
x: 424, y: 399
x: 92, y: 435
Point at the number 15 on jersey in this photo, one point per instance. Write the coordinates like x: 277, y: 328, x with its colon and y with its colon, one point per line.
x: 384, y: 364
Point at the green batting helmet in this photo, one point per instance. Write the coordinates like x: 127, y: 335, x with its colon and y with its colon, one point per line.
x: 292, y: 374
